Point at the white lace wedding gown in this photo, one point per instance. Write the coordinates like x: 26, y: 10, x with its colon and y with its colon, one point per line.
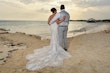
x: 52, y: 55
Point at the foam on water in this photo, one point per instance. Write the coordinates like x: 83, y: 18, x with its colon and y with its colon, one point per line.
x: 41, y: 28
x: 90, y: 29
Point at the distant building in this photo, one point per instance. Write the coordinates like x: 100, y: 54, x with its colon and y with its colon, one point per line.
x: 91, y: 20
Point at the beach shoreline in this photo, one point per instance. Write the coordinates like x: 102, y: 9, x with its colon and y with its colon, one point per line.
x: 90, y: 53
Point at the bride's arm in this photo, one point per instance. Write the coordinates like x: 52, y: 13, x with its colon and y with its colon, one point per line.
x: 49, y: 19
x: 54, y: 18
x: 60, y: 21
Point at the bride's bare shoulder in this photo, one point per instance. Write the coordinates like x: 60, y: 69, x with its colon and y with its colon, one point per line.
x: 51, y: 16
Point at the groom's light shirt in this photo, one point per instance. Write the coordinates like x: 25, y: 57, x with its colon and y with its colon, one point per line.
x: 60, y: 16
x: 57, y: 16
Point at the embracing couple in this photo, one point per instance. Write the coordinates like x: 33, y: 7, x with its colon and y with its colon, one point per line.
x: 56, y: 52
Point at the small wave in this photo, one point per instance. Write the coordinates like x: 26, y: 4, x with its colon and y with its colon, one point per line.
x: 90, y: 29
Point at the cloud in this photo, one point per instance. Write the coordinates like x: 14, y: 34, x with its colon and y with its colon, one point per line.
x: 27, y: 1
x: 40, y: 9
x: 43, y: 10
x: 91, y: 3
x: 33, y: 1
x: 11, y: 3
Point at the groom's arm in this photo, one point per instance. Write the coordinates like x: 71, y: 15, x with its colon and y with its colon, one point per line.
x: 55, y: 18
x: 60, y: 21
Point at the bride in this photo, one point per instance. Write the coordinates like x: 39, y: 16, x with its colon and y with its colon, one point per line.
x: 52, y: 55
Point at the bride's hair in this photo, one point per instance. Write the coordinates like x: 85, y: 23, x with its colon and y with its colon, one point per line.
x: 53, y: 10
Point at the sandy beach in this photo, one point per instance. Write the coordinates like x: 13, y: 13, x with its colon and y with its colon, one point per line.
x: 90, y: 53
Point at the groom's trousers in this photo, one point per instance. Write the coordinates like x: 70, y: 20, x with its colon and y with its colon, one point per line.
x: 62, y: 32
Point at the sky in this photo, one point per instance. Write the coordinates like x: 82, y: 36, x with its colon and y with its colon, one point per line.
x: 40, y: 9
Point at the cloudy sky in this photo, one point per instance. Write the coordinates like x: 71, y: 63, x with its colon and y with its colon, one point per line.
x: 40, y: 9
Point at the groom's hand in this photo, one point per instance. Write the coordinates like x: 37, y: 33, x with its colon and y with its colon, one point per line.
x: 58, y: 21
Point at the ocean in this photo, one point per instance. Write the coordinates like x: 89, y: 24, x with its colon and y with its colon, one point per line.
x: 41, y: 28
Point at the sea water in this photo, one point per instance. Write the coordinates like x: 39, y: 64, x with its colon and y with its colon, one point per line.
x: 41, y: 28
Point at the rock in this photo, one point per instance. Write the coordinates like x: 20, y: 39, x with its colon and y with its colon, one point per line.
x: 12, y: 48
x: 2, y: 62
x: 21, y: 46
x: 35, y: 36
x: 9, y: 55
x: 1, y: 51
x: 4, y: 59
x: 17, y: 46
x: 5, y: 49
x: 2, y: 29
x: 20, y: 33
x: 10, y: 44
x: 3, y: 32
x: 107, y: 31
x: 3, y: 55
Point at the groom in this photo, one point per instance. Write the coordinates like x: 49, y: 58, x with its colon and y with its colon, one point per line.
x: 62, y: 27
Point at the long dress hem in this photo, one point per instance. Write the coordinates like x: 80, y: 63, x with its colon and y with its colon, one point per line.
x: 52, y: 55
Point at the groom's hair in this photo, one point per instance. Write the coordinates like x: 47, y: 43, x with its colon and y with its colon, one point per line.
x: 62, y: 7
x: 53, y: 10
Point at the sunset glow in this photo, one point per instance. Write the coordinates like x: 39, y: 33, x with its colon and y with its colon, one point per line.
x: 40, y: 9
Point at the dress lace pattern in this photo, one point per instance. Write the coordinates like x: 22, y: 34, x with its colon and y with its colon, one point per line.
x: 52, y: 55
